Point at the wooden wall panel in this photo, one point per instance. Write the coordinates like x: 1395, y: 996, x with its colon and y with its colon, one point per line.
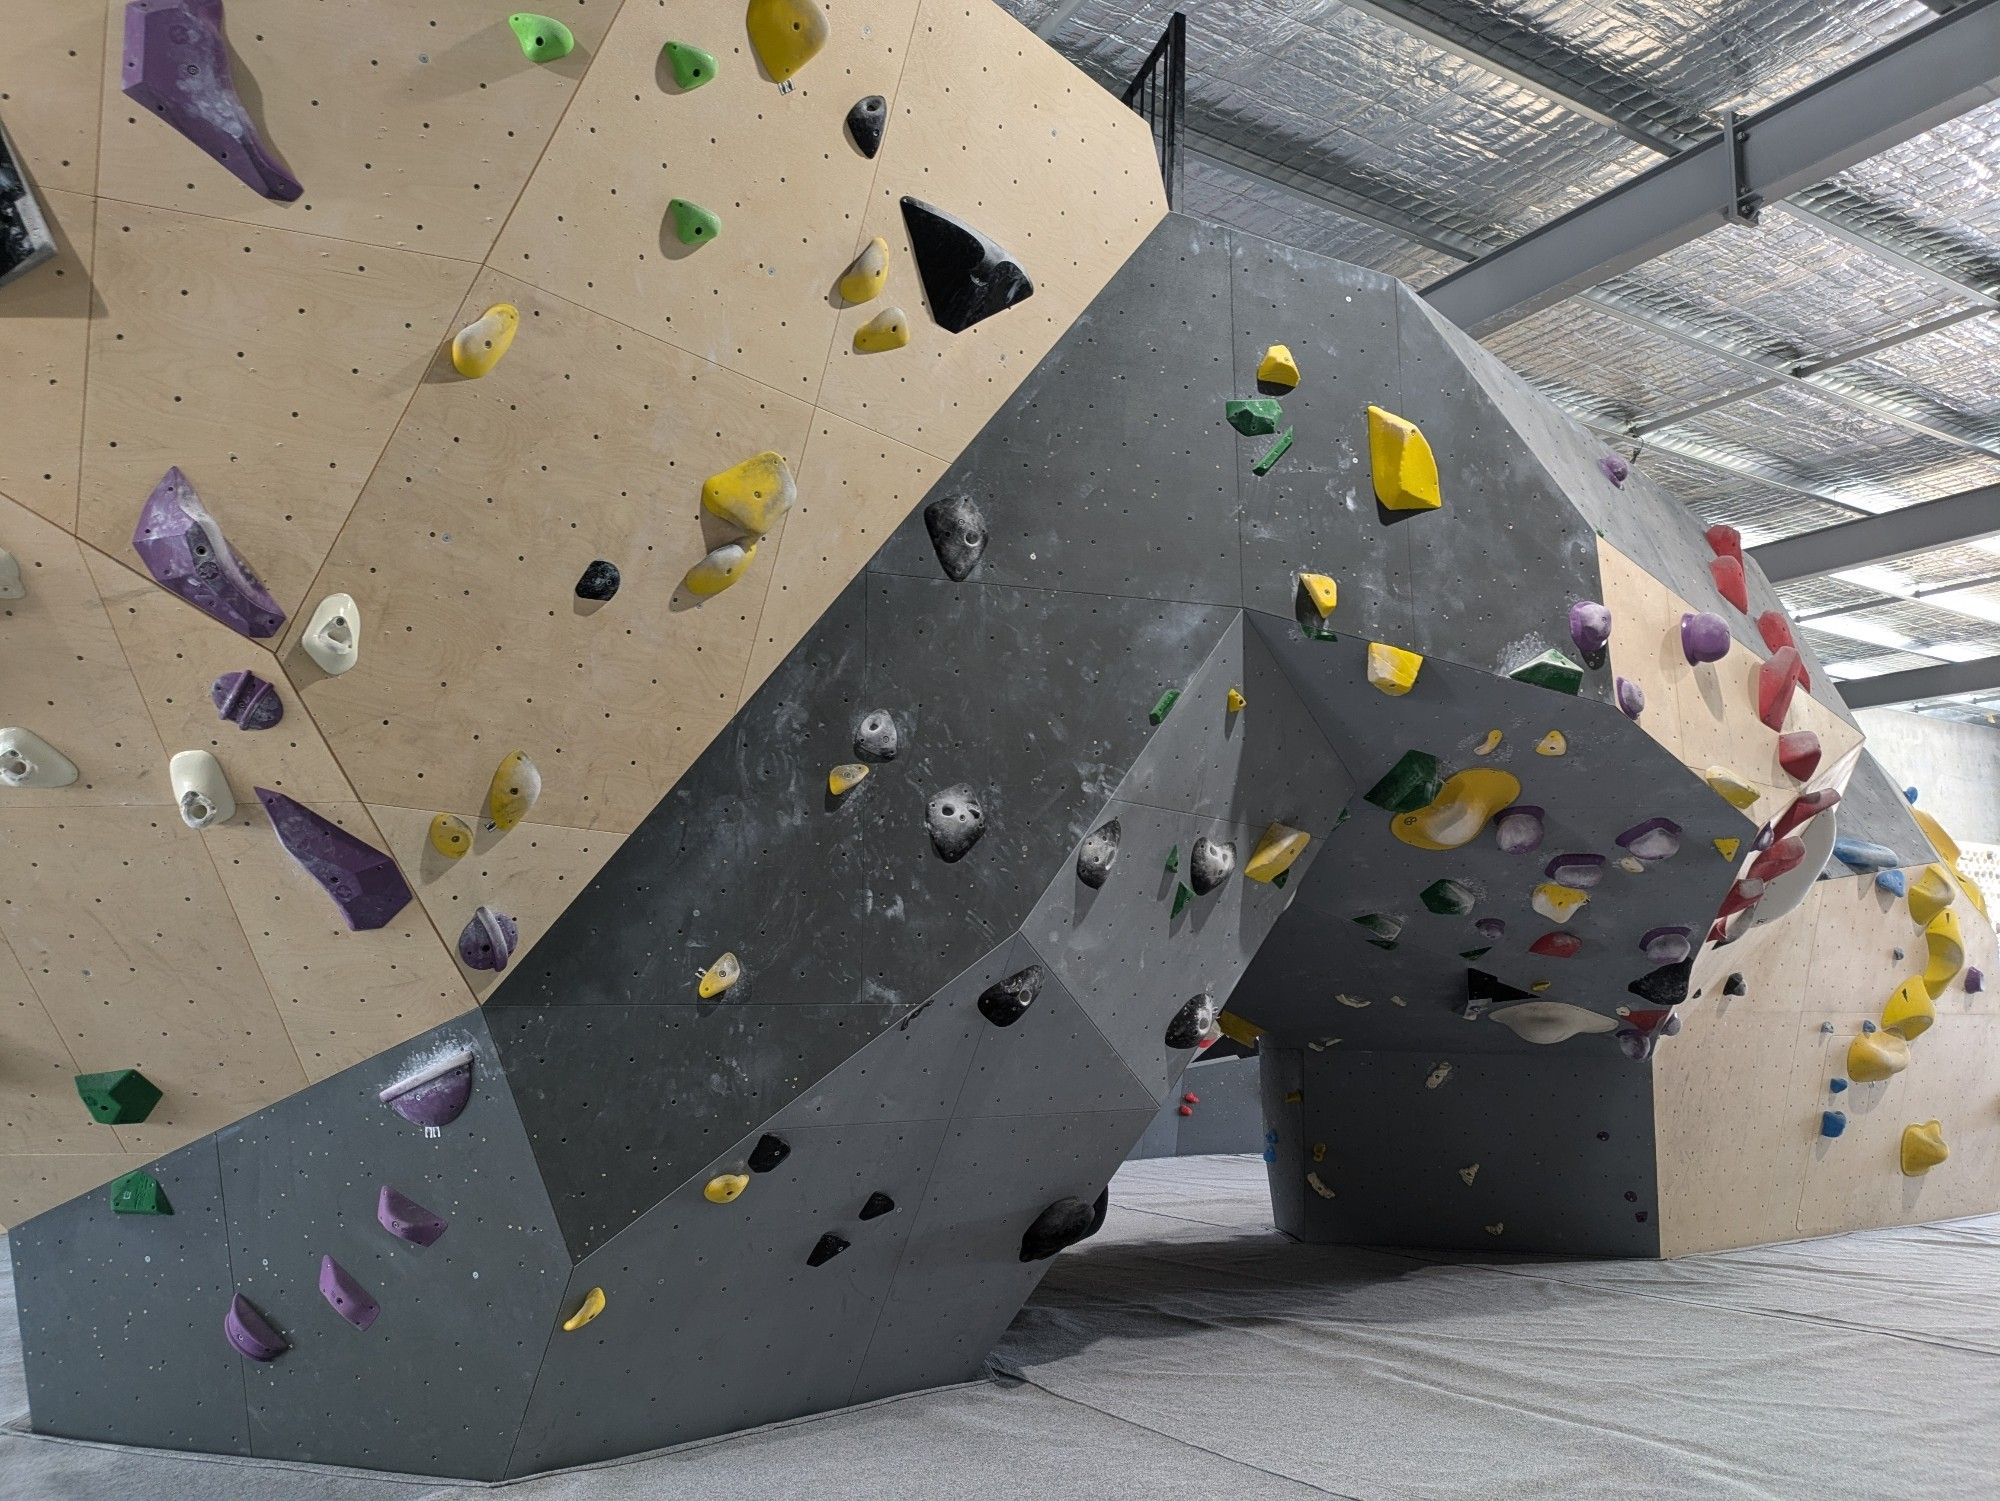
x: 30, y: 1184
x: 44, y: 343
x: 39, y: 1108
x: 50, y: 74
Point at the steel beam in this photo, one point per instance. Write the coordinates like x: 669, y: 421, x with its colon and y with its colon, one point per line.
x: 1980, y: 675
x: 1965, y: 517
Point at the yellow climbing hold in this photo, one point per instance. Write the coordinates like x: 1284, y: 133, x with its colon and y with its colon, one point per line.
x: 1319, y: 1151
x: 1909, y: 1013
x: 720, y: 569
x: 1875, y: 1056
x: 1406, y: 473
x: 1728, y: 786
x: 451, y: 836
x: 888, y: 329
x: 725, y: 1188
x: 1278, y: 368
x: 845, y: 778
x: 1930, y: 893
x: 1490, y: 744
x: 1947, y: 849
x: 515, y: 786
x: 1727, y: 848
x: 1555, y: 743
x: 1322, y: 591
x: 1236, y: 702
x: 1236, y: 1029
x: 754, y: 494
x: 1923, y: 1148
x: 1392, y: 670
x: 593, y: 1305
x: 1278, y: 848
x: 1945, y: 951
x: 480, y: 344
x: 1541, y: 985
x: 787, y: 34
x: 1556, y: 902
x: 1460, y: 810
x: 719, y: 976
x: 863, y: 281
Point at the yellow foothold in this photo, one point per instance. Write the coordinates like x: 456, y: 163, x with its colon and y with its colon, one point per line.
x: 863, y: 281
x: 1294, y: 1096
x: 1406, y: 473
x: 1923, y: 1148
x: 1555, y: 743
x: 719, y: 976
x: 1319, y: 1151
x: 1236, y: 1029
x: 888, y: 329
x: 1556, y: 902
x: 1541, y: 985
x: 1322, y: 591
x: 1909, y: 1012
x: 1392, y: 670
x: 1945, y: 951
x: 845, y: 778
x: 1278, y: 849
x: 1727, y: 848
x: 787, y: 34
x: 1930, y: 893
x: 451, y: 836
x: 1278, y: 368
x: 1728, y: 786
x: 720, y: 569
x: 1236, y: 701
x: 725, y: 1188
x: 1875, y: 1056
x: 593, y: 1305
x: 516, y: 784
x: 480, y: 344
x: 754, y: 494
x: 1460, y: 810
x: 1490, y: 744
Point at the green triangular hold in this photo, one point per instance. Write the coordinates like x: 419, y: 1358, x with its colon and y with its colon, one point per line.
x: 1165, y: 705
x: 1410, y: 784
x: 1274, y: 453
x: 139, y: 1192
x: 1280, y: 878
x: 1255, y: 417
x: 543, y: 39
x: 123, y: 1097
x: 1447, y: 898
x: 1174, y: 858
x: 694, y: 224
x: 1182, y: 896
x: 1550, y: 670
x: 692, y: 66
x: 1473, y: 953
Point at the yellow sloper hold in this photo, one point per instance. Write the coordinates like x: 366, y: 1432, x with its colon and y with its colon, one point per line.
x: 1923, y: 1148
x: 1555, y: 743
x: 1875, y: 1056
x: 1278, y: 368
x: 754, y: 494
x: 1930, y: 893
x: 725, y: 1188
x: 787, y: 34
x: 480, y: 344
x: 1392, y: 670
x: 593, y: 1305
x: 1322, y: 591
x: 720, y: 569
x: 1556, y: 902
x: 719, y: 976
x: 1461, y: 809
x: 1278, y: 849
x: 1236, y: 1029
x: 1406, y: 472
x: 863, y: 281
x: 1945, y: 947
x: 1727, y: 848
x: 1236, y: 702
x: 887, y: 330
x: 845, y: 778
x: 516, y: 784
x: 1908, y: 1012
x: 1728, y: 786
x: 451, y: 836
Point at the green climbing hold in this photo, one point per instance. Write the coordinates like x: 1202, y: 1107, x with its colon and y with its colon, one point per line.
x: 1182, y: 896
x: 139, y: 1192
x: 1412, y: 783
x: 692, y: 66
x: 1174, y: 858
x: 1280, y: 878
x: 1255, y: 417
x: 1550, y: 670
x: 1165, y: 705
x: 1387, y: 930
x: 542, y: 38
x: 692, y: 223
x: 123, y: 1097
x: 1447, y: 898
x: 1474, y: 953
x: 1274, y: 453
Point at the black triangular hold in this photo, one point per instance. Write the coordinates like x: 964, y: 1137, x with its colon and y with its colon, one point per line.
x: 1483, y: 990
x: 1665, y: 986
x: 878, y: 1205
x: 866, y: 121
x: 769, y: 1152
x: 828, y: 1247
x: 967, y: 277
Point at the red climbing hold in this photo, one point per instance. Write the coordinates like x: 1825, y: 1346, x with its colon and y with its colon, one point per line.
x: 1725, y: 542
x: 1729, y: 582
x: 1806, y: 807
x: 1187, y: 1110
x: 1744, y: 895
x: 1190, y: 1098
x: 1779, y: 858
x: 1777, y: 634
x: 1777, y: 677
x: 1798, y: 753
x: 1557, y: 946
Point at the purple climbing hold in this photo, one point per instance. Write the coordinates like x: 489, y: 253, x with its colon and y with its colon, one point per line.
x: 363, y: 882
x: 1590, y: 629
x: 250, y: 1332
x: 1671, y: 1027
x: 1634, y: 1044
x: 488, y: 940
x: 1493, y: 928
x: 1631, y: 698
x: 185, y: 551
x: 1666, y: 945
x: 177, y: 66
x: 434, y: 1093
x: 1518, y: 830
x: 406, y: 1219
x: 1583, y: 870
x: 247, y: 701
x: 1704, y: 637
x: 1975, y: 979
x: 1655, y: 839
x: 345, y: 1296
x: 1615, y: 469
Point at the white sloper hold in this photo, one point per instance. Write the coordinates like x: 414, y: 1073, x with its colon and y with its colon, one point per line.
x: 201, y: 792
x: 333, y: 636
x: 27, y: 760
x: 1550, y: 1021
x: 10, y: 577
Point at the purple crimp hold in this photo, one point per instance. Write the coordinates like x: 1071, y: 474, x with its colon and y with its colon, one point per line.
x: 1615, y: 469
x: 177, y: 66
x: 1590, y: 629
x: 1704, y: 637
x: 1491, y: 927
x: 249, y: 1332
x: 1655, y: 839
x: 406, y: 1219
x: 363, y: 882
x: 185, y: 551
x: 247, y: 701
x: 1631, y: 698
x: 488, y: 939
x: 345, y: 1296
x: 434, y: 1094
x: 1667, y: 945
x: 1581, y: 870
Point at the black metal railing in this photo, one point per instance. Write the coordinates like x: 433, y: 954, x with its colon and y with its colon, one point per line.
x: 1159, y: 95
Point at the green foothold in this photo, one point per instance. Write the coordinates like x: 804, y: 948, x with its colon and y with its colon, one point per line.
x: 139, y: 1192
x: 543, y: 39
x: 1387, y: 930
x: 692, y: 66
x: 1473, y: 953
x: 1165, y: 706
x: 693, y: 223
x: 1341, y: 818
x: 121, y: 1098
x: 1550, y: 670
x: 1411, y: 783
x: 1274, y: 453
x: 1182, y: 896
x: 1280, y: 878
x: 1174, y: 858
x: 1447, y: 898
x: 1255, y: 417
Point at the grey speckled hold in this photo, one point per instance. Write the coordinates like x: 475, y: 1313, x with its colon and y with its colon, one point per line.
x: 958, y: 532
x: 957, y: 819
x: 1006, y: 1001
x: 1210, y: 865
x: 1098, y: 854
x: 599, y: 581
x: 1191, y: 1023
x: 876, y: 736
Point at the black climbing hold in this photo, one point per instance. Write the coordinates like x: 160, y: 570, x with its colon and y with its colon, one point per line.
x: 1734, y: 986
x: 878, y: 1205
x: 967, y: 277
x: 958, y: 532
x: 1097, y: 1212
x: 1210, y: 865
x: 1665, y: 986
x: 1094, y: 860
x: 828, y: 1247
x: 25, y: 241
x: 1483, y: 990
x: 1063, y: 1223
x: 1191, y: 1023
x: 956, y: 821
x: 1008, y: 1001
x: 599, y: 581
x: 768, y: 1153
x: 866, y: 122
x: 876, y: 736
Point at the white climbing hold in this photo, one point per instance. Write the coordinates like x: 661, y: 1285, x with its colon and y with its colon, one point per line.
x: 1469, y: 1173
x: 333, y: 635
x: 201, y: 791
x: 10, y: 577
x: 1355, y: 1001
x: 1438, y: 1075
x: 1319, y: 1185
x: 27, y: 760
x: 1550, y: 1021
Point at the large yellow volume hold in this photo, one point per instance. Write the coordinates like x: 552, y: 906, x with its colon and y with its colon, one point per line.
x: 725, y: 1188
x: 1948, y: 852
x: 480, y: 344
x: 1392, y: 670
x: 516, y: 785
x: 787, y: 34
x: 863, y: 281
x: 1278, y: 849
x: 1278, y: 368
x: 1908, y: 1012
x: 593, y: 1305
x: 719, y: 976
x: 1923, y: 1148
x: 720, y: 569
x: 1875, y: 1056
x: 1945, y: 951
x: 1460, y: 810
x: 1406, y: 472
x: 1930, y: 893
x: 887, y: 330
x: 451, y: 836
x: 754, y: 494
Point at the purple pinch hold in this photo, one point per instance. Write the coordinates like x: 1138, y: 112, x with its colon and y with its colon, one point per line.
x: 1666, y: 945
x: 249, y: 1332
x: 363, y: 882
x: 345, y: 1296
x: 1615, y: 469
x: 1655, y: 839
x: 488, y: 940
x: 177, y: 66
x: 246, y: 701
x: 1634, y: 1044
x: 1518, y: 829
x: 1590, y: 629
x: 1580, y: 870
x: 406, y: 1219
x: 1975, y: 979
x: 1704, y: 637
x: 435, y: 1094
x: 185, y: 551
x: 1491, y: 927
x: 1631, y: 698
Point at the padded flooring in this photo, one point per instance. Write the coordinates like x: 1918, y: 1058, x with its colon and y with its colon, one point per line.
x: 1190, y: 1351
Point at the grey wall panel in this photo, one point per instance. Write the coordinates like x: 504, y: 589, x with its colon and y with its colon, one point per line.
x: 1873, y: 808
x: 1162, y: 1136
x: 1228, y: 1114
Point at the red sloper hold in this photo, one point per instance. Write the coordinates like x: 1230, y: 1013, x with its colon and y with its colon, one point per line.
x: 1809, y: 806
x: 1798, y: 753
x: 1557, y: 946
x: 1777, y: 677
x: 1744, y: 895
x: 1729, y: 582
x: 1779, y: 858
x: 1777, y: 632
x: 1725, y: 542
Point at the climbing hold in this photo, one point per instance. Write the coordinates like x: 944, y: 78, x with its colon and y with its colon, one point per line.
x: 345, y: 1296
x: 332, y: 636
x: 1550, y: 670
x: 450, y: 835
x: 434, y: 1093
x: 768, y: 1153
x: 599, y: 581
x: 482, y: 343
x: 1727, y: 574
x: 1163, y: 706
x: 1210, y: 863
x: 27, y: 760
x: 753, y: 495
x: 1775, y: 629
x: 693, y: 224
x: 956, y: 818
x: 1777, y: 678
x: 201, y: 792
x: 1832, y: 1122
x: 1730, y: 787
x: 590, y: 1308
x: 542, y: 38
x: 515, y: 786
x: 1278, y: 848
x: 1975, y: 979
x: 122, y: 1097
x: 719, y: 569
x: 139, y: 1192
x: 1576, y: 869
x: 1944, y: 952
x: 1186, y: 1110
x: 1518, y: 830
x: 1174, y: 858
x: 1724, y: 541
x: 1634, y: 1044
x: 958, y: 535
x: 1726, y: 847
x: 844, y: 778
x: 1668, y: 945
x: 1274, y: 453
x: 1784, y: 855
x: 1278, y: 368
x: 184, y: 550
x: 1461, y: 808
x: 719, y: 976
x: 1318, y: 1185
x: 1491, y: 928
x: 1097, y: 854
x: 1391, y: 670
x: 1798, y: 754
x: 967, y: 277
x: 363, y: 882
x: 875, y: 736
x: 1837, y: 1086
x: 1908, y: 1012
x: 488, y: 939
x: 25, y: 241
x: 1235, y: 702
x: 1555, y: 743
x: 1387, y: 930
x: 1063, y: 1223
x: 787, y: 34
x: 691, y: 66
x: 1006, y: 1001
x: 177, y: 65
x: 1892, y: 881
x: 1665, y: 986
x: 878, y: 1205
x: 1447, y: 898
x: 1410, y: 784
x: 867, y: 119
x: 1405, y: 472
x: 406, y: 1219
x: 1704, y: 638
x: 1590, y: 629
x: 1437, y: 1076
x: 1615, y: 469
x: 1317, y: 596
x: 725, y: 1188
x: 10, y: 567
x: 1863, y: 854
x: 1182, y: 896
x: 864, y: 279
x: 1256, y: 417
x: 249, y: 1332
x: 1875, y: 1056
x: 1555, y: 946
x: 1631, y: 698
x: 1930, y: 893
x: 1923, y: 1148
x: 1548, y: 1022
x: 825, y: 1249
x: 1490, y: 744
x: 887, y: 330
x: 246, y: 700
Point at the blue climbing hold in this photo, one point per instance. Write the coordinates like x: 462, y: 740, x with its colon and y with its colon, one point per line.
x: 1909, y: 794
x: 1893, y: 881
x: 1863, y: 854
x: 1838, y: 1086
x: 1868, y: 1026
x: 1832, y: 1122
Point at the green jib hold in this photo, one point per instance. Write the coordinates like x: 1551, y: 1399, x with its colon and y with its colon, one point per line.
x: 1165, y: 705
x: 543, y: 39
x: 123, y: 1097
x: 1408, y: 785
x: 139, y: 1192
x: 692, y: 66
x: 1550, y: 670
x: 1255, y: 417
x: 1182, y: 896
x: 1274, y: 453
x: 694, y: 224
